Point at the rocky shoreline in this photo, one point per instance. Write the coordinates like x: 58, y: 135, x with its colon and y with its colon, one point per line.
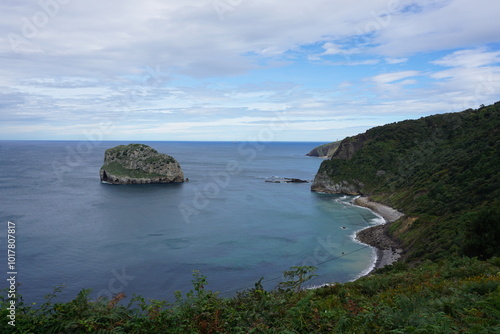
x: 388, y: 250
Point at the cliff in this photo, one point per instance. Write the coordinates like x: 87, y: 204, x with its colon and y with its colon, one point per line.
x: 324, y: 183
x: 138, y: 163
x: 325, y: 150
x: 344, y: 150
x: 440, y: 170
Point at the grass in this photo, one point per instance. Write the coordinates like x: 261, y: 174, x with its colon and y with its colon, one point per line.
x: 117, y: 169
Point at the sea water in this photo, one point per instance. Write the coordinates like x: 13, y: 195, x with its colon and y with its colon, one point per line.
x: 227, y: 222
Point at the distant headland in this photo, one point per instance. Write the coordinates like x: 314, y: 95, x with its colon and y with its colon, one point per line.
x: 139, y: 163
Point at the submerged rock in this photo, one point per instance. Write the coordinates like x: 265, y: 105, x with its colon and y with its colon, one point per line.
x: 294, y: 180
x: 275, y: 179
x: 139, y: 163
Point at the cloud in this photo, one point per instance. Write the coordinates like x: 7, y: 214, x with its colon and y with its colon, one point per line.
x: 334, y: 49
x: 64, y: 82
x: 204, y: 67
x: 469, y: 58
x: 396, y: 60
x: 472, y: 76
x: 439, y: 25
x: 115, y: 37
x: 11, y: 100
x: 351, y: 62
x: 386, y: 78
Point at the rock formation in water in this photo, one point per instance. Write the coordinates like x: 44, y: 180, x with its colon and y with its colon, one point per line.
x: 139, y: 163
x: 286, y: 180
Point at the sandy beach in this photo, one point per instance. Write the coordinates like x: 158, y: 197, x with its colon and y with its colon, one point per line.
x: 388, y: 250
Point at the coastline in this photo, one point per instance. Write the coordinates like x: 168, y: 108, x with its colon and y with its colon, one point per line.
x: 387, y: 250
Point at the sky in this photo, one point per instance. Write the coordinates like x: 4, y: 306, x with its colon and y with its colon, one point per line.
x: 239, y: 70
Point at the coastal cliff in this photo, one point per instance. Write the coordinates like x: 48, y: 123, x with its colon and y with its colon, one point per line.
x: 139, y: 163
x: 344, y: 150
x: 440, y: 170
x: 323, y: 183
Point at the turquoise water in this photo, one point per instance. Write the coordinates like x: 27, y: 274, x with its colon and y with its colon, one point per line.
x: 227, y: 222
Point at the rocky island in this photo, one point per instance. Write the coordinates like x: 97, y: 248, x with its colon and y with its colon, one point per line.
x: 139, y: 163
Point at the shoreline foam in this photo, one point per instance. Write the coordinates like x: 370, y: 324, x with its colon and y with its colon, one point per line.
x: 387, y: 250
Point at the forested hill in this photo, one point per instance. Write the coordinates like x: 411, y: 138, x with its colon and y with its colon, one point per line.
x: 441, y: 170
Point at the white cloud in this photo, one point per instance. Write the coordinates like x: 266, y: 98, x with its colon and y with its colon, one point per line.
x: 349, y: 62
x: 334, y: 49
x: 386, y: 78
x: 117, y: 37
x: 396, y: 60
x: 151, y: 63
x: 467, y: 87
x: 471, y: 79
x: 469, y: 58
x: 440, y: 25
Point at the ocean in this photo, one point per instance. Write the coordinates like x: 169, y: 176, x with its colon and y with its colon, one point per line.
x: 227, y: 222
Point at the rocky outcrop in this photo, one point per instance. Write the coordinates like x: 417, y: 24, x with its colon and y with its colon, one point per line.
x: 325, y: 181
x: 139, y: 163
x: 286, y: 180
x: 388, y: 249
x: 325, y: 184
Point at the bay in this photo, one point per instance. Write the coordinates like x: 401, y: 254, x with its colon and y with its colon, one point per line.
x: 226, y: 222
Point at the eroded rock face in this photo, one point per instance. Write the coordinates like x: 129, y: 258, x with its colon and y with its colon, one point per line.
x: 349, y: 146
x: 139, y: 163
x: 325, y: 184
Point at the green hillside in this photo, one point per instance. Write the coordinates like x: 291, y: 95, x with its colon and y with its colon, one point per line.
x: 441, y: 170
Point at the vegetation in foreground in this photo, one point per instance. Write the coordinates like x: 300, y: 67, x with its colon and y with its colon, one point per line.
x: 454, y: 296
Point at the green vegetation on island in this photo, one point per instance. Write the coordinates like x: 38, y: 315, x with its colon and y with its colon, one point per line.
x: 117, y: 169
x: 442, y: 171
x: 139, y: 163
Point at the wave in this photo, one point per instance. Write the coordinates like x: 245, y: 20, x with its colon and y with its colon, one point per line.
x: 374, y: 251
x: 371, y: 267
x: 379, y: 220
x: 343, y: 199
x: 318, y: 286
